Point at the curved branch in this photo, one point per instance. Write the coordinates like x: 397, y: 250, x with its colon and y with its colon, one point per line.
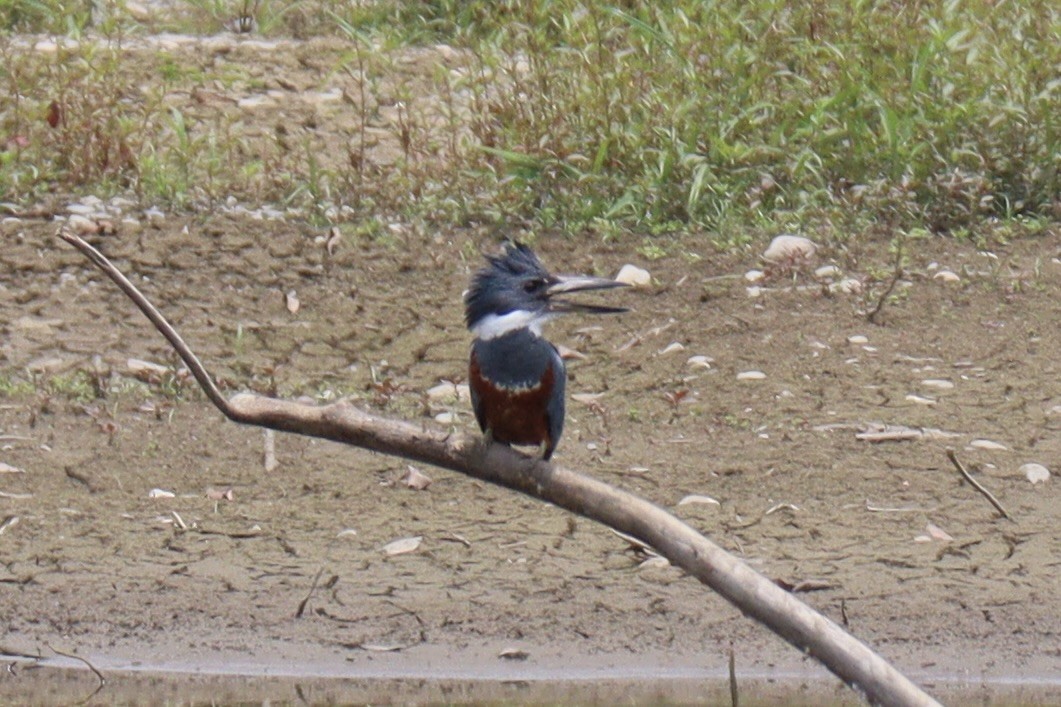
x: 756, y: 596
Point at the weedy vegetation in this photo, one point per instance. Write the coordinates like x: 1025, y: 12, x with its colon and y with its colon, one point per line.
x: 721, y: 117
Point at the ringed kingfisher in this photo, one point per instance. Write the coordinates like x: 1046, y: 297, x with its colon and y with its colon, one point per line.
x: 515, y: 376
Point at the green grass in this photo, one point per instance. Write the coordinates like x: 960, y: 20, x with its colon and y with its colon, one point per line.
x: 719, y: 117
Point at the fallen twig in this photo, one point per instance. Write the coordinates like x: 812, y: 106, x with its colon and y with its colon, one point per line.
x: 74, y: 656
x: 684, y: 547
x: 312, y: 588
x: 976, y: 485
x: 896, y: 276
x: 734, y: 697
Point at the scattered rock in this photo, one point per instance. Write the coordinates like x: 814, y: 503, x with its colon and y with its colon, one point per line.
x: 946, y: 276
x: 754, y: 276
x: 789, y: 248
x: 446, y: 392
x: 634, y: 276
x: 987, y: 444
x: 160, y: 493
x: 1034, y: 472
x: 291, y: 302
x: 920, y: 400
x: 513, y: 654
x: 416, y: 479
x: 700, y: 361
x: 671, y: 348
x: 847, y: 286
x: 938, y: 383
x: 402, y: 546
x: 569, y: 354
x: 696, y: 498
x: 751, y: 376
x: 857, y: 339
x: 827, y: 271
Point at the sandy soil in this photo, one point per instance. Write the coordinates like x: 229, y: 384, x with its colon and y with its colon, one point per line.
x: 885, y: 536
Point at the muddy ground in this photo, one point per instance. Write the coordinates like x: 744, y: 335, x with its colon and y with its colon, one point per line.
x: 97, y: 567
x: 885, y: 535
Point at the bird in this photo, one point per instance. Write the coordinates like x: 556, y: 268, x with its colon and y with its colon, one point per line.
x: 515, y: 376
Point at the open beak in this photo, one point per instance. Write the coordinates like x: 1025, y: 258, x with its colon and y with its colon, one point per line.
x: 581, y: 283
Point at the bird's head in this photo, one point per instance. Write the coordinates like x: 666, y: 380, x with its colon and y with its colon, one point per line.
x: 515, y: 291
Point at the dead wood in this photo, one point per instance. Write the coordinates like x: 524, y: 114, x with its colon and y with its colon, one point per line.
x: 753, y: 594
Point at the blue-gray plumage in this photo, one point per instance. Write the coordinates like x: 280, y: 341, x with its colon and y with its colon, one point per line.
x: 517, y: 378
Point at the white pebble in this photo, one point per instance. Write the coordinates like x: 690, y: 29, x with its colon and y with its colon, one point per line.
x: 938, y: 383
x: 699, y: 361
x: 789, y: 247
x: 847, y: 286
x: 857, y: 339
x: 986, y: 444
x: 751, y: 376
x: 1036, y: 473
x: 80, y: 209
x: 634, y: 276
x: 827, y: 271
x: 160, y: 493
x: 671, y: 348
x: 946, y: 276
x: 753, y: 276
x: 919, y: 400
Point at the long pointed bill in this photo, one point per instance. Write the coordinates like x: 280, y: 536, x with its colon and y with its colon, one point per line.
x: 581, y: 283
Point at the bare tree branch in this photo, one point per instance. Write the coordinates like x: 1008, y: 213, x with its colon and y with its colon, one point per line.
x: 756, y: 596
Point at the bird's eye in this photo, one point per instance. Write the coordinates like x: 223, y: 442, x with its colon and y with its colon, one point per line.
x: 532, y: 286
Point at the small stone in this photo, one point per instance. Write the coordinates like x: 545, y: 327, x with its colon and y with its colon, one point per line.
x: 447, y: 418
x: 858, y: 339
x: 789, y: 247
x: 634, y: 276
x: 671, y: 348
x: 987, y: 444
x: 1035, y: 473
x: 416, y: 479
x: 699, y: 361
x: 826, y: 271
x: 919, y: 400
x: 446, y: 392
x: 82, y: 225
x: 847, y: 286
x: 751, y: 376
x: 697, y: 498
x: 402, y: 546
x: 938, y: 383
x: 946, y: 276
x: 154, y: 216
x: 160, y: 493
x: 754, y: 276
